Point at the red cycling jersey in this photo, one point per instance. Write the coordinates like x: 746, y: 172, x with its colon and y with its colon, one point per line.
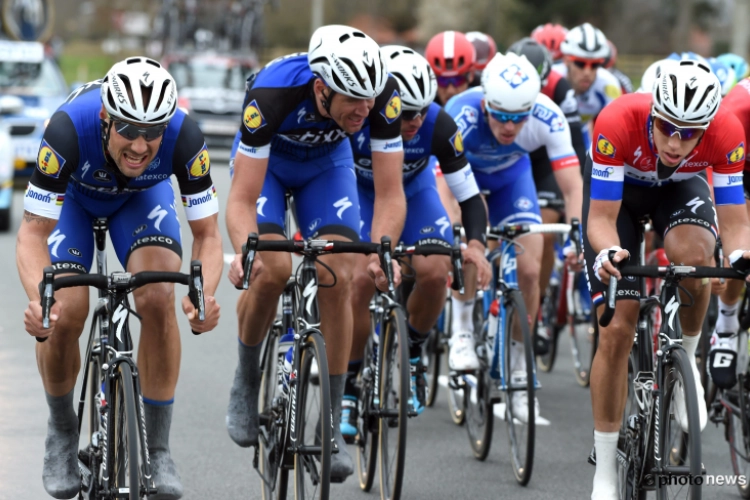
x: 622, y: 152
x: 737, y: 101
x: 552, y: 79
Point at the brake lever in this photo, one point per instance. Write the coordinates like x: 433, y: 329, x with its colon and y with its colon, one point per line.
x: 457, y: 260
x: 386, y: 261
x: 575, y: 234
x: 248, y: 258
x: 609, y: 310
x: 47, y: 293
x: 195, y: 290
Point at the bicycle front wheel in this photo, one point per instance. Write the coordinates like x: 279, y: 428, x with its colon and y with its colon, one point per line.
x: 520, y: 407
x: 394, y: 404
x: 547, y: 322
x: 684, y: 479
x: 367, y: 422
x: 311, y: 417
x: 479, y: 416
x: 124, y: 436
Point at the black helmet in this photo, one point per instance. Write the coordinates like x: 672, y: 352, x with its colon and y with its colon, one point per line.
x: 536, y: 53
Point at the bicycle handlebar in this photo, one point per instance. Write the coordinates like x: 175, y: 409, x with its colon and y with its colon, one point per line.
x: 122, y: 281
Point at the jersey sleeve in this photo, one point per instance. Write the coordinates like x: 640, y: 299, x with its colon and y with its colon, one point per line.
x: 556, y: 132
x: 192, y: 167
x: 448, y: 148
x: 607, y: 154
x: 263, y: 112
x: 729, y: 163
x: 57, y: 160
x: 385, y: 120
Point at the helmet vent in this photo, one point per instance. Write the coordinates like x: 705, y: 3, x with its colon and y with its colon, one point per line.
x: 163, y: 92
x: 126, y: 84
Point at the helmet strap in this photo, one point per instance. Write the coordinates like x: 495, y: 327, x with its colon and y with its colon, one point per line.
x: 327, y: 99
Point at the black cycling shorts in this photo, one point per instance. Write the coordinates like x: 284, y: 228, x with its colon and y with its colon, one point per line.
x: 670, y: 205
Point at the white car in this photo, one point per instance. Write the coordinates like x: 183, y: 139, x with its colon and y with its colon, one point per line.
x: 9, y: 105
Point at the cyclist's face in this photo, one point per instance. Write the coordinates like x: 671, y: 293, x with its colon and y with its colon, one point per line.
x: 409, y: 128
x: 672, y: 150
x: 445, y: 93
x: 348, y: 113
x: 504, y: 132
x: 581, y: 73
x: 131, y: 157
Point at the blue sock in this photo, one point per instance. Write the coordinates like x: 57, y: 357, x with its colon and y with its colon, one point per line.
x: 416, y: 340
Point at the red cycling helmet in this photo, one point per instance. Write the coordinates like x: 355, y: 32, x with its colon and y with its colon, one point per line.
x: 484, y: 47
x: 450, y: 53
x: 612, y: 59
x: 551, y: 36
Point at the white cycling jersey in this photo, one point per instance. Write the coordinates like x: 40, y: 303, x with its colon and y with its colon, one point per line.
x: 605, y: 89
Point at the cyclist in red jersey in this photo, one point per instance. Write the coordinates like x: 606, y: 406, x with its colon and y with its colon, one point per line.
x: 724, y: 339
x: 648, y: 157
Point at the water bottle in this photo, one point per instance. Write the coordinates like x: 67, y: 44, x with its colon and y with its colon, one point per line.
x: 285, y: 353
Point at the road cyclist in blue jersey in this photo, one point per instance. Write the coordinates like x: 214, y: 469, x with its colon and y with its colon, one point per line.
x: 426, y: 130
x: 501, y: 123
x: 109, y: 151
x: 299, y: 112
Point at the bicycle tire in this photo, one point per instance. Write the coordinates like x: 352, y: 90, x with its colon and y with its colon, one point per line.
x: 394, y: 399
x: 124, y: 432
x: 548, y: 318
x: 736, y: 441
x: 522, y: 464
x: 583, y: 358
x: 431, y: 359
x: 629, y: 450
x: 456, y: 401
x: 268, y: 448
x: 479, y: 414
x: 678, y: 370
x: 313, y: 348
x: 367, y: 426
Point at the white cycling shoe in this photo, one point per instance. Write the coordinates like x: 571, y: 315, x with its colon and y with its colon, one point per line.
x: 520, y: 399
x: 463, y: 354
x: 680, y: 412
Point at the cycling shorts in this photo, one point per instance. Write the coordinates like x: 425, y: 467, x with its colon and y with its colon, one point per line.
x: 510, y: 194
x: 145, y: 218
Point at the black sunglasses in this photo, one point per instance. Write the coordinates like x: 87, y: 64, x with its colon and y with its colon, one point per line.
x: 132, y: 132
x: 409, y: 115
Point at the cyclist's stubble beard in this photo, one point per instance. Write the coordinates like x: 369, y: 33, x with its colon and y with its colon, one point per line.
x: 580, y: 79
x: 348, y: 113
x: 127, y: 154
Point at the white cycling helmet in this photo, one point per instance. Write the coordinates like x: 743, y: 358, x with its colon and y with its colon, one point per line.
x: 348, y: 61
x: 416, y: 80
x: 688, y: 92
x: 652, y: 73
x: 125, y: 96
x: 586, y: 42
x: 510, y: 82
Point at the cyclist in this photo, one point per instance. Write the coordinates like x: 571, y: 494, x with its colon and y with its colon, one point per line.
x: 299, y: 112
x: 559, y: 90
x: 426, y: 130
x: 652, y: 74
x: 724, y: 338
x: 737, y: 63
x: 551, y: 36
x: 485, y: 49
x: 625, y: 84
x: 585, y: 51
x: 451, y: 56
x: 724, y: 73
x: 649, y: 155
x: 501, y: 123
x: 109, y: 151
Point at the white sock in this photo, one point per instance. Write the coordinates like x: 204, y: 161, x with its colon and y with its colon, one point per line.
x: 728, y: 320
x: 462, y: 311
x: 517, y: 356
x: 605, y: 477
x: 690, y: 344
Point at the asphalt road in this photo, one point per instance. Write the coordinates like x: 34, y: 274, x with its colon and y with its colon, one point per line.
x: 439, y: 465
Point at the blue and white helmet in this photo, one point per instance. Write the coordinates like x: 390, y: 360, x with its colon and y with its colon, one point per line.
x: 737, y: 63
x: 724, y: 73
x: 510, y: 82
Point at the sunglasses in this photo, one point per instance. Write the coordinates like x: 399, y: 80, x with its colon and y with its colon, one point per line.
x: 456, y: 81
x: 585, y: 63
x: 669, y: 129
x: 132, y: 132
x: 408, y: 114
x: 504, y: 117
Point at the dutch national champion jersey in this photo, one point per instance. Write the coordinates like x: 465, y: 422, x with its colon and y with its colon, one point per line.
x: 546, y: 126
x: 71, y: 156
x: 622, y: 152
x: 737, y: 102
x: 280, y: 115
x: 605, y: 89
x: 438, y: 136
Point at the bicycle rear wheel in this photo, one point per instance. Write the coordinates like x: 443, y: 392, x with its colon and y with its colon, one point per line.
x: 520, y: 433
x: 479, y: 412
x: 270, y: 438
x: 738, y: 436
x: 311, y: 416
x: 431, y: 357
x: 548, y: 322
x: 124, y: 435
x: 584, y: 339
x: 394, y: 404
x: 629, y: 447
x: 679, y: 483
x: 367, y: 423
